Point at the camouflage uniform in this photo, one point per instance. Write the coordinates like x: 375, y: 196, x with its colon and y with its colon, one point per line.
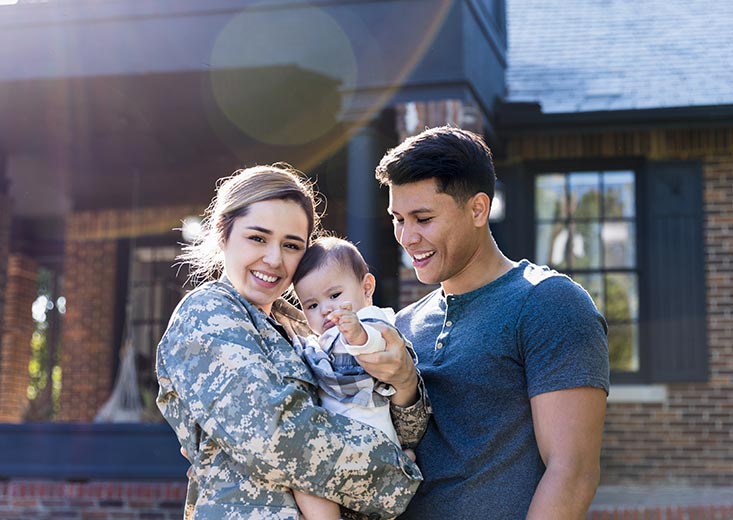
x: 242, y: 403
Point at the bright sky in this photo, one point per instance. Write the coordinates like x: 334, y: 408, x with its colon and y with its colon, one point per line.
x: 8, y: 2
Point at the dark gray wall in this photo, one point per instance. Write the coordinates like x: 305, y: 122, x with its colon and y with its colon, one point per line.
x: 442, y: 45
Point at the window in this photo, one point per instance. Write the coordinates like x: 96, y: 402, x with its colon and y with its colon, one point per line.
x: 156, y: 288
x: 586, y: 226
x: 631, y: 232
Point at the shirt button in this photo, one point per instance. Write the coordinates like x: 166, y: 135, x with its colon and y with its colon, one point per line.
x: 448, y: 323
x: 439, y: 346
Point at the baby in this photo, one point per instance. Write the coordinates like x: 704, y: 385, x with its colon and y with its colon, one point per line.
x: 335, y: 289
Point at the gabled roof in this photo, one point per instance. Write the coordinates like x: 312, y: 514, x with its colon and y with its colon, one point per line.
x: 608, y: 55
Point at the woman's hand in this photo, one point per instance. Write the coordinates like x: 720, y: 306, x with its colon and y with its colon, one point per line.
x: 189, y: 471
x: 393, y: 366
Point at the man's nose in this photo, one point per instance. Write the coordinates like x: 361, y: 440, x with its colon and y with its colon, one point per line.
x: 407, y: 235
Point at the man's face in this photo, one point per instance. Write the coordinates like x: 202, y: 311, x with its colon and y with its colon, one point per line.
x: 439, y: 234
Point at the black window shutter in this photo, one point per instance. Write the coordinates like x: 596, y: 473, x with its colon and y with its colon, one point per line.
x: 673, y: 273
x: 515, y: 234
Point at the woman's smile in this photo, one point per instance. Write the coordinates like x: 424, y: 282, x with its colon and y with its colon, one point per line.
x: 264, y: 249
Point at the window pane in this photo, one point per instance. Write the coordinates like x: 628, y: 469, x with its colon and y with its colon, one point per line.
x: 586, y: 245
x: 623, y: 347
x: 552, y: 240
x: 618, y: 194
x: 141, y: 334
x: 159, y: 312
x: 585, y: 190
x: 550, y: 197
x: 140, y: 303
x: 593, y: 283
x: 619, y: 244
x: 622, y: 297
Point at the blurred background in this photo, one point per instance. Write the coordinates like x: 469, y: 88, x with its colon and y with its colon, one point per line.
x: 611, y: 124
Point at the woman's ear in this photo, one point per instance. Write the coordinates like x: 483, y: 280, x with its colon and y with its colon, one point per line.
x: 480, y: 207
x: 369, y: 284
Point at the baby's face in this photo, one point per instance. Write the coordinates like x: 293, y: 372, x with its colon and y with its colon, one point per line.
x: 322, y: 291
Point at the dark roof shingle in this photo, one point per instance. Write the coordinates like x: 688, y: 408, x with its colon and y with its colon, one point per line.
x: 590, y: 55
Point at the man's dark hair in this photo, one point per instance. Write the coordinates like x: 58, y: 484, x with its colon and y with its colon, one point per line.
x: 326, y: 249
x: 459, y: 160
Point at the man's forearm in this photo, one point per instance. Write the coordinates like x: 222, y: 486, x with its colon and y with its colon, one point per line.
x: 406, y: 392
x: 564, y: 494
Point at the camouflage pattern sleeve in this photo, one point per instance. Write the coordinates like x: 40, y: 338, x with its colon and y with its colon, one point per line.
x: 243, y: 402
x: 410, y: 422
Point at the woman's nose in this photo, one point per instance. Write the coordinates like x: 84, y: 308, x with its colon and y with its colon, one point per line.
x: 273, y: 256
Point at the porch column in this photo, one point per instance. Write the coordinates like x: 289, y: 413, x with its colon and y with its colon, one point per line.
x: 364, y: 206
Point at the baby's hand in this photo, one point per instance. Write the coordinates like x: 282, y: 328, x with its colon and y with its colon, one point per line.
x: 349, y: 325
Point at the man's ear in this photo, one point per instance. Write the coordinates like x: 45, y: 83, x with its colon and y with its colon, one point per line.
x: 369, y: 284
x: 480, y: 205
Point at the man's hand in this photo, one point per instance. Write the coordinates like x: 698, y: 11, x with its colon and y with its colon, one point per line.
x: 393, y: 366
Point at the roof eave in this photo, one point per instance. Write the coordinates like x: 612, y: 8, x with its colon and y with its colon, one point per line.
x: 527, y: 118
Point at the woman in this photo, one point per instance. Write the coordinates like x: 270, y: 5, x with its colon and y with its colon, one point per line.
x: 239, y: 397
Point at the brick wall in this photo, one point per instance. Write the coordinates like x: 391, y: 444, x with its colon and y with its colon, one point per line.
x: 87, y: 338
x: 6, y: 218
x: 90, y: 286
x: 688, y: 439
x: 708, y: 512
x: 411, y: 289
x: 46, y: 500
x: 17, y: 328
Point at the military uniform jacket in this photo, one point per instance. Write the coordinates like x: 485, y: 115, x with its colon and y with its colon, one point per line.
x: 243, y: 405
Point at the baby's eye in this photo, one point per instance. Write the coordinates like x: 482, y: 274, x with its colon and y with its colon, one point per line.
x: 311, y: 306
x: 335, y: 295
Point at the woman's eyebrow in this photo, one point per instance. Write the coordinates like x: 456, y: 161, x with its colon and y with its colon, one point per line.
x: 269, y: 232
x: 260, y: 229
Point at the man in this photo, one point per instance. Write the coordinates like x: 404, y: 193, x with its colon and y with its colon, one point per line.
x: 514, y: 356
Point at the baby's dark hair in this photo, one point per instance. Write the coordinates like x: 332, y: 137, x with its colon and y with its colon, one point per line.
x: 326, y: 249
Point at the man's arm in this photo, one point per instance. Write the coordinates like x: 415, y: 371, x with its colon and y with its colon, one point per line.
x: 410, y: 405
x: 568, y: 425
x: 394, y: 366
